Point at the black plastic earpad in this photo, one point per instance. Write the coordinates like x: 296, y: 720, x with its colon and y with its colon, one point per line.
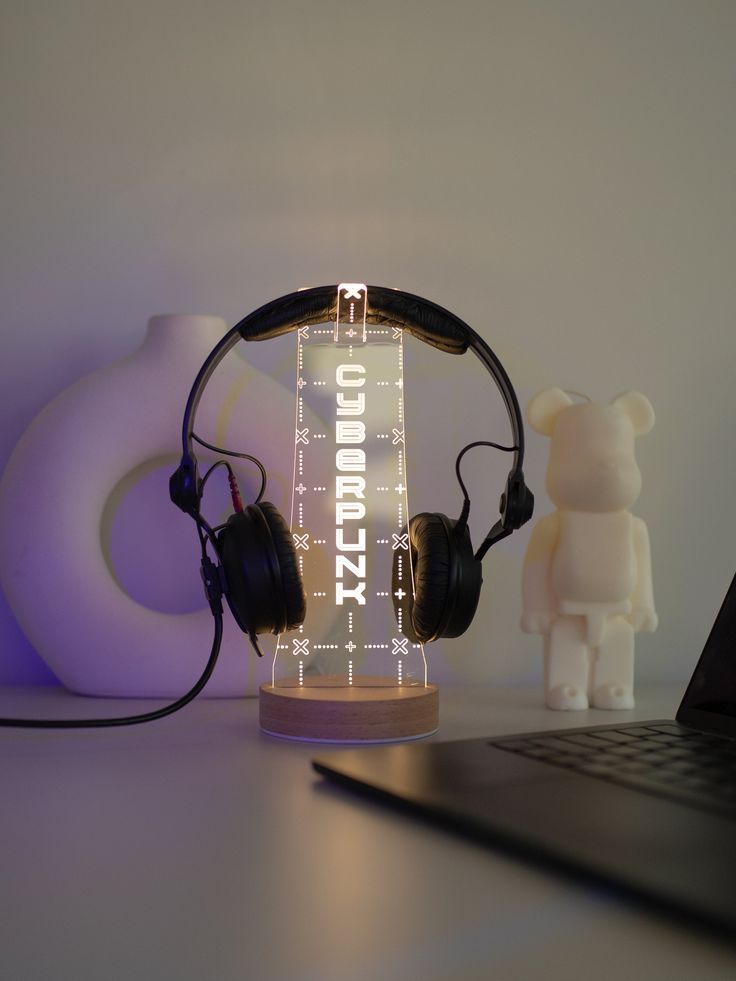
x: 264, y: 590
x: 447, y: 579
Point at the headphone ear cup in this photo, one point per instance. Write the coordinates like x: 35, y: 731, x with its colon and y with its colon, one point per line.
x: 264, y: 588
x: 295, y: 601
x: 447, y: 579
x: 430, y: 563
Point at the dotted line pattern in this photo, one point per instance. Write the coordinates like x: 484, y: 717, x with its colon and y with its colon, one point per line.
x: 397, y: 437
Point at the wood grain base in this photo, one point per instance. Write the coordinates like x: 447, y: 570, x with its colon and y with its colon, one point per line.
x: 329, y: 710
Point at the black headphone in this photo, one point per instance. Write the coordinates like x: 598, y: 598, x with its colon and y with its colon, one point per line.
x: 258, y: 571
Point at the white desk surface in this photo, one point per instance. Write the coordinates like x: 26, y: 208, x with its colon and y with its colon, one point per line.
x: 198, y: 848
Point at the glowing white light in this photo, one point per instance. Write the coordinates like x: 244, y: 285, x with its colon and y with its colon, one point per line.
x: 344, y: 376
x: 349, y: 431
x: 350, y: 460
x: 350, y: 502
x: 348, y: 405
x: 352, y: 308
x: 400, y: 645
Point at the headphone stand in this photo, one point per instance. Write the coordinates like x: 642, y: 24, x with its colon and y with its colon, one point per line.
x: 329, y: 709
x: 349, y: 439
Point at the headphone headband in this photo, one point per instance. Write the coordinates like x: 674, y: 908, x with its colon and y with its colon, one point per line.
x: 388, y: 307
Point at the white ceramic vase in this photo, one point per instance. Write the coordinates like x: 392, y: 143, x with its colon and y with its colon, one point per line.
x: 96, y: 638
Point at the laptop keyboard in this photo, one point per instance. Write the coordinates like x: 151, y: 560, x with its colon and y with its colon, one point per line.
x: 662, y: 758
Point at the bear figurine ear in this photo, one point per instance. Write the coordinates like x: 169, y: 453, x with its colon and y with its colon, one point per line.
x: 544, y: 408
x: 638, y: 408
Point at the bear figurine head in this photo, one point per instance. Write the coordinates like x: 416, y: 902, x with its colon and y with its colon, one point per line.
x: 592, y: 464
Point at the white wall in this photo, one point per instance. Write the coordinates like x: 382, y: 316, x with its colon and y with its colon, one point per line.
x: 560, y: 174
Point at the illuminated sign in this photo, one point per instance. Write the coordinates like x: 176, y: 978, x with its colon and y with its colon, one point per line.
x: 350, y: 505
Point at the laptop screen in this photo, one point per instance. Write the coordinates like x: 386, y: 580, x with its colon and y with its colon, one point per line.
x: 710, y: 699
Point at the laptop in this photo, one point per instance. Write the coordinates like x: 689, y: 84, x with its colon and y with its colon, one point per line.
x: 649, y: 807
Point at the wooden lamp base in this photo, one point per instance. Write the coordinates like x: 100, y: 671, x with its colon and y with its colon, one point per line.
x: 328, y: 709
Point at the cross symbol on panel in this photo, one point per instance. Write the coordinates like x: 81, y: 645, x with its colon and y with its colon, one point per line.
x: 301, y: 435
x: 304, y: 332
x: 398, y: 436
x: 400, y: 594
x: 400, y: 488
x: 301, y: 383
x: 400, y: 541
x: 400, y: 646
x: 300, y: 488
x: 352, y: 292
x: 302, y: 541
x: 350, y: 646
x: 301, y: 648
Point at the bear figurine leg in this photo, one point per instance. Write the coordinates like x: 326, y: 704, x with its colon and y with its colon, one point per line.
x: 612, y: 674
x: 566, y: 659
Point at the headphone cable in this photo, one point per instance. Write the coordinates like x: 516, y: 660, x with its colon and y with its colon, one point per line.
x: 240, y: 456
x: 132, y: 719
x: 466, y: 497
x: 214, y: 591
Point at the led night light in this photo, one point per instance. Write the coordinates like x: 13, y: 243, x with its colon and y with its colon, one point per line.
x: 350, y: 505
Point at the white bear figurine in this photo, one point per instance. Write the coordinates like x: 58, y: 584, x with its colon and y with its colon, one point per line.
x: 587, y: 582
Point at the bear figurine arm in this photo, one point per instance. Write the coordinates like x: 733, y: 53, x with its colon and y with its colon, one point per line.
x: 643, y: 615
x: 539, y: 605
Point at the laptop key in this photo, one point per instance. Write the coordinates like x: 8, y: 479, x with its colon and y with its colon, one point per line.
x: 538, y: 753
x: 596, y: 770
x: 614, y: 736
x: 587, y: 740
x: 515, y: 745
x: 680, y: 766
x: 653, y: 759
x: 625, y: 749
x: 664, y: 775
x: 632, y: 766
x: 563, y: 745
